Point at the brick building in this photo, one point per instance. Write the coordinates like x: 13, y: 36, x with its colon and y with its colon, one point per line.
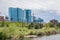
x: 1, y: 18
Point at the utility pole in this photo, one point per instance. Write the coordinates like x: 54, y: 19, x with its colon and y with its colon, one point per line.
x: 33, y: 18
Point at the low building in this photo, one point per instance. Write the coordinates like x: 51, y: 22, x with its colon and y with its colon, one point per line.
x: 1, y: 18
x: 38, y: 20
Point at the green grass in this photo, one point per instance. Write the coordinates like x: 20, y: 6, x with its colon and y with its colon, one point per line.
x: 15, y: 30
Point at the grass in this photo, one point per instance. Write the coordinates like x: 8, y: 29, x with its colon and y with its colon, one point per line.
x: 14, y: 31
x: 17, y: 32
x: 42, y: 32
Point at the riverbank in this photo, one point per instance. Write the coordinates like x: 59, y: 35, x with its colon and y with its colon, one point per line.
x: 18, y: 32
x: 12, y: 30
x: 46, y: 33
x: 51, y: 37
x: 43, y: 32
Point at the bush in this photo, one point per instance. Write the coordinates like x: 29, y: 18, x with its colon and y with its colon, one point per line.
x: 7, y: 32
x: 32, y: 32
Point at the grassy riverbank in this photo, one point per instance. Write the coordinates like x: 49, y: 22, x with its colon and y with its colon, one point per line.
x: 15, y: 31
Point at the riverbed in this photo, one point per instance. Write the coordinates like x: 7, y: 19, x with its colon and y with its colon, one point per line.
x: 51, y: 37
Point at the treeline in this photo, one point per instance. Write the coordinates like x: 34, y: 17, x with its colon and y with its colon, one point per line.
x: 33, y: 25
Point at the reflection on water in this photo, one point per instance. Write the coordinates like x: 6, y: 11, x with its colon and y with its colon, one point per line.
x: 19, y: 39
x: 52, y: 37
x: 27, y: 39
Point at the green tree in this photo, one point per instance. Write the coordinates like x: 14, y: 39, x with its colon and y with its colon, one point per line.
x: 32, y: 25
x: 58, y: 25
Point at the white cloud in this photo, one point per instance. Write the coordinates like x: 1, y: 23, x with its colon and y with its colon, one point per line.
x: 31, y: 4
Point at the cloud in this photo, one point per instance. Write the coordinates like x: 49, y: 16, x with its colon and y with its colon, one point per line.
x: 30, y: 4
x: 47, y: 15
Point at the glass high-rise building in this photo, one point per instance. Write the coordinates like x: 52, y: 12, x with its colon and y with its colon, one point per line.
x: 13, y: 14
x: 28, y: 15
x: 19, y: 15
x: 16, y: 14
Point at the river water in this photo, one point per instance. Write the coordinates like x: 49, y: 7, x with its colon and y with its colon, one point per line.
x: 51, y: 37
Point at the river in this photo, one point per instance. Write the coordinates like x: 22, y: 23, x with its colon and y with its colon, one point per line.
x: 51, y: 37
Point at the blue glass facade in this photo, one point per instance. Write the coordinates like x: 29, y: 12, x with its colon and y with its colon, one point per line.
x: 28, y: 15
x: 15, y: 14
x: 19, y: 15
x: 38, y: 20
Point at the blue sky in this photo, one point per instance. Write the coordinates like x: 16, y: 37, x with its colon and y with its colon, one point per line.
x: 45, y: 9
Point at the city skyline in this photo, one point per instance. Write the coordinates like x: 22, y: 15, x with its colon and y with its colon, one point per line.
x: 50, y: 8
x: 19, y: 15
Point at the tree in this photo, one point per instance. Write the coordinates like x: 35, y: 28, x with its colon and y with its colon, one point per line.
x: 54, y: 22
x: 48, y: 25
x: 58, y: 25
x: 32, y: 25
x: 38, y: 26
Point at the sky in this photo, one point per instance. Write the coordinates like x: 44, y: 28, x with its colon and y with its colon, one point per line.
x: 45, y: 9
